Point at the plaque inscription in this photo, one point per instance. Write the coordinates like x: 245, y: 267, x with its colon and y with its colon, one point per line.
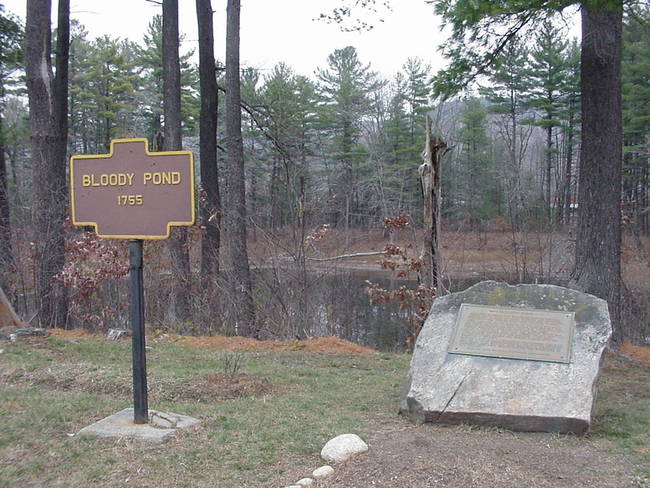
x: 516, y: 333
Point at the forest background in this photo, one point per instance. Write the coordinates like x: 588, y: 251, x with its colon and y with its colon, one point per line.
x: 328, y: 159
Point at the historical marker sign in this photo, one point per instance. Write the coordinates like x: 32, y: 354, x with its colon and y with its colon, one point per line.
x: 506, y: 332
x: 131, y: 193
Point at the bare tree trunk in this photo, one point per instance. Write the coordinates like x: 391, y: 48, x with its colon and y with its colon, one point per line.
x: 240, y: 279
x: 547, y: 175
x: 429, y: 170
x: 568, y: 170
x: 178, y: 245
x: 275, y: 212
x: 643, y: 199
x: 61, y: 157
x: 598, y: 244
x: 211, y: 199
x: 48, y: 134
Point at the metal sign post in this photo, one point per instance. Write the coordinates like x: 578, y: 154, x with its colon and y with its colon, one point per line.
x: 140, y: 402
x: 131, y: 193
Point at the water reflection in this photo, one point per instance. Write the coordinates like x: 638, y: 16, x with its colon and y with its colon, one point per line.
x: 331, y: 304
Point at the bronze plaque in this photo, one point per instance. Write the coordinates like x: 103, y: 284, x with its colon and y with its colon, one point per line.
x: 517, y: 333
x: 131, y: 193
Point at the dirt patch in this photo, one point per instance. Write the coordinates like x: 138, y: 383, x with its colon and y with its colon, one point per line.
x: 461, y: 457
x: 226, y: 386
x: 330, y: 345
x: 225, y: 343
x: 71, y: 334
x: 642, y: 353
x: 334, y: 345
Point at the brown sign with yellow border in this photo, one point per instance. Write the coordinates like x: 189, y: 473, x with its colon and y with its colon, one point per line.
x: 132, y: 193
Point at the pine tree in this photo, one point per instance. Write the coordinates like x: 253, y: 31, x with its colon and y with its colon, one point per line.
x: 150, y: 60
x: 417, y: 94
x: 397, y: 163
x: 11, y: 36
x: 636, y: 118
x: 345, y: 86
x: 570, y: 116
x: 475, y: 180
x: 546, y: 77
x: 104, y: 81
x: 506, y: 95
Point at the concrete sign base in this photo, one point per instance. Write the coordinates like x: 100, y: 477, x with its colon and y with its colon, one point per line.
x: 161, y: 425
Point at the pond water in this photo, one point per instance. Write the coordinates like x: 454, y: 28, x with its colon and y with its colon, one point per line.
x: 333, y: 304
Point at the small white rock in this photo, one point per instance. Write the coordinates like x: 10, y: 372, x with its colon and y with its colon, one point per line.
x: 323, y: 472
x: 342, y: 448
x: 305, y: 482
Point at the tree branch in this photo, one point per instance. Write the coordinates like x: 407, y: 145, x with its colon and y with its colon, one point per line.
x: 347, y: 256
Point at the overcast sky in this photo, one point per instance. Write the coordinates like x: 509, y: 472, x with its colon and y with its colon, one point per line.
x: 279, y: 30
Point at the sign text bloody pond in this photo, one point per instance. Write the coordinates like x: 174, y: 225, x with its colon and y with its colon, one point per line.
x: 131, y: 193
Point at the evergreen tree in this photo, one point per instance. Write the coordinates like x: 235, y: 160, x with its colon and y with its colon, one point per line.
x: 570, y: 116
x: 277, y: 94
x: 398, y: 175
x: 287, y: 102
x: 476, y: 185
x: 546, y: 76
x: 150, y: 61
x: 417, y: 94
x: 104, y: 82
x: 598, y: 240
x: 636, y: 118
x: 506, y: 95
x: 11, y: 36
x: 345, y: 86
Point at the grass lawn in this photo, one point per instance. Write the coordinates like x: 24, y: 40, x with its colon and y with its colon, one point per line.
x: 50, y: 388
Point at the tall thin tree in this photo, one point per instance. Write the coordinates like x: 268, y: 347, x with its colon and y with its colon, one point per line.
x: 48, y: 108
x: 546, y: 74
x: 178, y: 245
x: 240, y: 278
x: 210, y: 198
